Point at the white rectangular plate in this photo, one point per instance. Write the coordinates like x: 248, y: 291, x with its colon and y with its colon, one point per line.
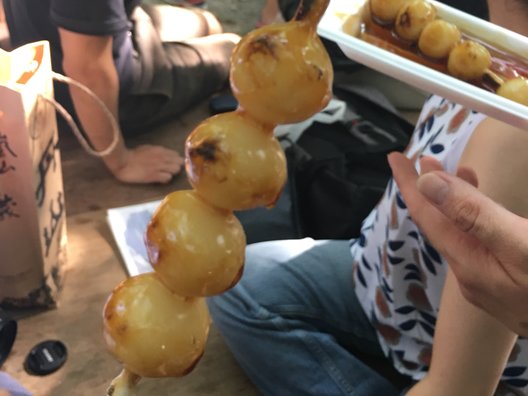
x: 424, y: 77
x: 128, y: 225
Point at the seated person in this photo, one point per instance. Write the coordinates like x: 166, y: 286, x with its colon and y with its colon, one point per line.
x: 307, y: 315
x: 146, y: 63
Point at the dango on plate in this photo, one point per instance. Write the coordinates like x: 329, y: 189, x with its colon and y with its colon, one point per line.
x: 412, y: 18
x: 468, y: 60
x: 515, y: 89
x: 438, y: 39
x: 386, y: 10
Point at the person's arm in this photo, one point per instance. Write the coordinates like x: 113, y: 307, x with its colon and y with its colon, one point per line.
x: 471, y: 347
x: 487, y: 243
x: 88, y: 59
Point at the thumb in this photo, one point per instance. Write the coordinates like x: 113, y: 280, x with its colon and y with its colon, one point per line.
x: 472, y: 212
x: 468, y: 175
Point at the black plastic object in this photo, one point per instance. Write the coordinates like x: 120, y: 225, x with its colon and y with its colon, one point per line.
x: 45, y: 358
x: 222, y: 104
x: 8, y: 331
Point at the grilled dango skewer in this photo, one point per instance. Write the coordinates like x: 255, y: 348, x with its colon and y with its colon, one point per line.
x: 439, y: 40
x: 279, y: 75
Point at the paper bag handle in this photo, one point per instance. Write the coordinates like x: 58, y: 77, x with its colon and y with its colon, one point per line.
x: 69, y: 119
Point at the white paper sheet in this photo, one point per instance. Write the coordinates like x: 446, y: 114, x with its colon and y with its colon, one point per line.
x: 128, y: 225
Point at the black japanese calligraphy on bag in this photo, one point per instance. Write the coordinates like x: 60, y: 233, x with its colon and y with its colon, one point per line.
x: 32, y: 215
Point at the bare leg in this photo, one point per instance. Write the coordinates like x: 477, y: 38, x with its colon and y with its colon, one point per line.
x: 470, y: 349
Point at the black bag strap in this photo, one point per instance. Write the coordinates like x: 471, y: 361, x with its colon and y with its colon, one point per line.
x: 383, y: 122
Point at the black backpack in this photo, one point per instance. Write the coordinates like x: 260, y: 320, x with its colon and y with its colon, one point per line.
x: 338, y: 172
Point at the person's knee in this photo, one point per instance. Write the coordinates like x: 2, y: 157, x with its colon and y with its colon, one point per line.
x: 231, y: 310
x: 246, y: 298
x: 219, y: 306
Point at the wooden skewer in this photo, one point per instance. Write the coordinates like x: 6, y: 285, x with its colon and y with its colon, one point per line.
x: 499, y: 80
x: 123, y: 384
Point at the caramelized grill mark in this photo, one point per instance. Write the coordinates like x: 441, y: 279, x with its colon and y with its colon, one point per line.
x: 207, y: 149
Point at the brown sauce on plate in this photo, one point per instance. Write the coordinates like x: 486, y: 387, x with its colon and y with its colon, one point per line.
x: 503, y: 64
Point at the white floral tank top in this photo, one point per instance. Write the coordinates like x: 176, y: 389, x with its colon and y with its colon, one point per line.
x: 398, y: 275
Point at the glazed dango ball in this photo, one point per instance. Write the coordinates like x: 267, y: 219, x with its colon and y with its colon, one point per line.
x: 152, y: 331
x: 197, y: 249
x: 281, y: 73
x: 515, y: 89
x: 353, y: 23
x: 468, y: 60
x: 386, y: 10
x: 412, y: 19
x: 234, y: 162
x: 438, y: 38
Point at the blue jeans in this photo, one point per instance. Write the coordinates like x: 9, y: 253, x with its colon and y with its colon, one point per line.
x: 293, y: 320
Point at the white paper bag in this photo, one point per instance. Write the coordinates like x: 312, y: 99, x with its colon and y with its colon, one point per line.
x: 32, y: 210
